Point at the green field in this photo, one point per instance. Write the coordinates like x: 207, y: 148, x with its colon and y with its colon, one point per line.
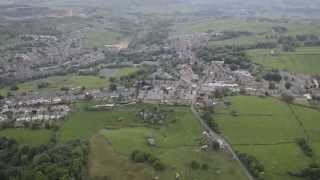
x: 258, y: 27
x: 123, y: 132
x: 267, y: 128
x: 177, y: 146
x: 242, y: 40
x: 84, y: 124
x: 126, y: 71
x: 100, y: 37
x: 57, y: 82
x: 69, y: 81
x: 27, y: 136
x: 223, y: 25
x: 104, y: 161
x: 303, y: 60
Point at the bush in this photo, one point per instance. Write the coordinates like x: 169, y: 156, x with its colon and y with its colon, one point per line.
x: 194, y: 165
x: 305, y: 147
x: 312, y: 172
x: 287, y: 98
x: 272, y: 85
x: 287, y: 85
x: 14, y: 88
x: 255, y: 167
x: 205, y: 166
x: 112, y: 87
x: 158, y: 165
x: 273, y: 76
x: 138, y: 156
x: 143, y: 157
x: 43, y: 85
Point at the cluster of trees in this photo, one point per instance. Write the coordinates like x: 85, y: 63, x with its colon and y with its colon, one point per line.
x: 144, y: 157
x: 287, y: 98
x: 273, y: 76
x: 156, y: 115
x: 280, y: 29
x: 305, y: 147
x: 229, y: 35
x: 196, y: 165
x: 207, y: 115
x: 255, y: 167
x: 43, y: 85
x: 45, y: 162
x: 312, y: 172
x: 228, y: 54
x: 309, y: 39
x: 141, y: 74
x: 289, y: 43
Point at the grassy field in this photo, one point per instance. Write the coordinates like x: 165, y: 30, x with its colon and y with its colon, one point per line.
x: 267, y: 128
x: 115, y: 134
x: 27, y: 136
x: 303, y: 60
x: 100, y: 37
x: 83, y: 124
x: 104, y: 161
x: 177, y: 146
x: 242, y: 40
x: 222, y: 25
x: 257, y: 27
x: 70, y: 81
x: 126, y: 71
x: 57, y: 82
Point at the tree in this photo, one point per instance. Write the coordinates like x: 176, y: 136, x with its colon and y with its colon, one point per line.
x: 273, y: 76
x: 158, y: 165
x: 205, y: 166
x: 194, y: 165
x: 272, y: 85
x: 287, y: 98
x: 112, y: 87
x: 14, y: 88
x: 112, y: 79
x: 287, y: 85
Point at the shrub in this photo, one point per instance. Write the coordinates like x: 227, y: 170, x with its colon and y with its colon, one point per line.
x: 143, y: 157
x: 273, y: 76
x: 205, y: 166
x: 14, y: 88
x: 255, y: 167
x: 138, y: 156
x: 194, y: 165
x: 287, y: 98
x: 305, y: 147
x: 287, y: 85
x: 158, y: 165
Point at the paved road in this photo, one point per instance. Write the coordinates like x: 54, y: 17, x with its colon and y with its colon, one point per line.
x: 213, y: 135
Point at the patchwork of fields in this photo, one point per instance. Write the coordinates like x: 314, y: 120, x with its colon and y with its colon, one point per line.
x: 115, y: 134
x: 268, y: 129
x: 123, y: 133
x: 257, y: 27
x: 265, y: 128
